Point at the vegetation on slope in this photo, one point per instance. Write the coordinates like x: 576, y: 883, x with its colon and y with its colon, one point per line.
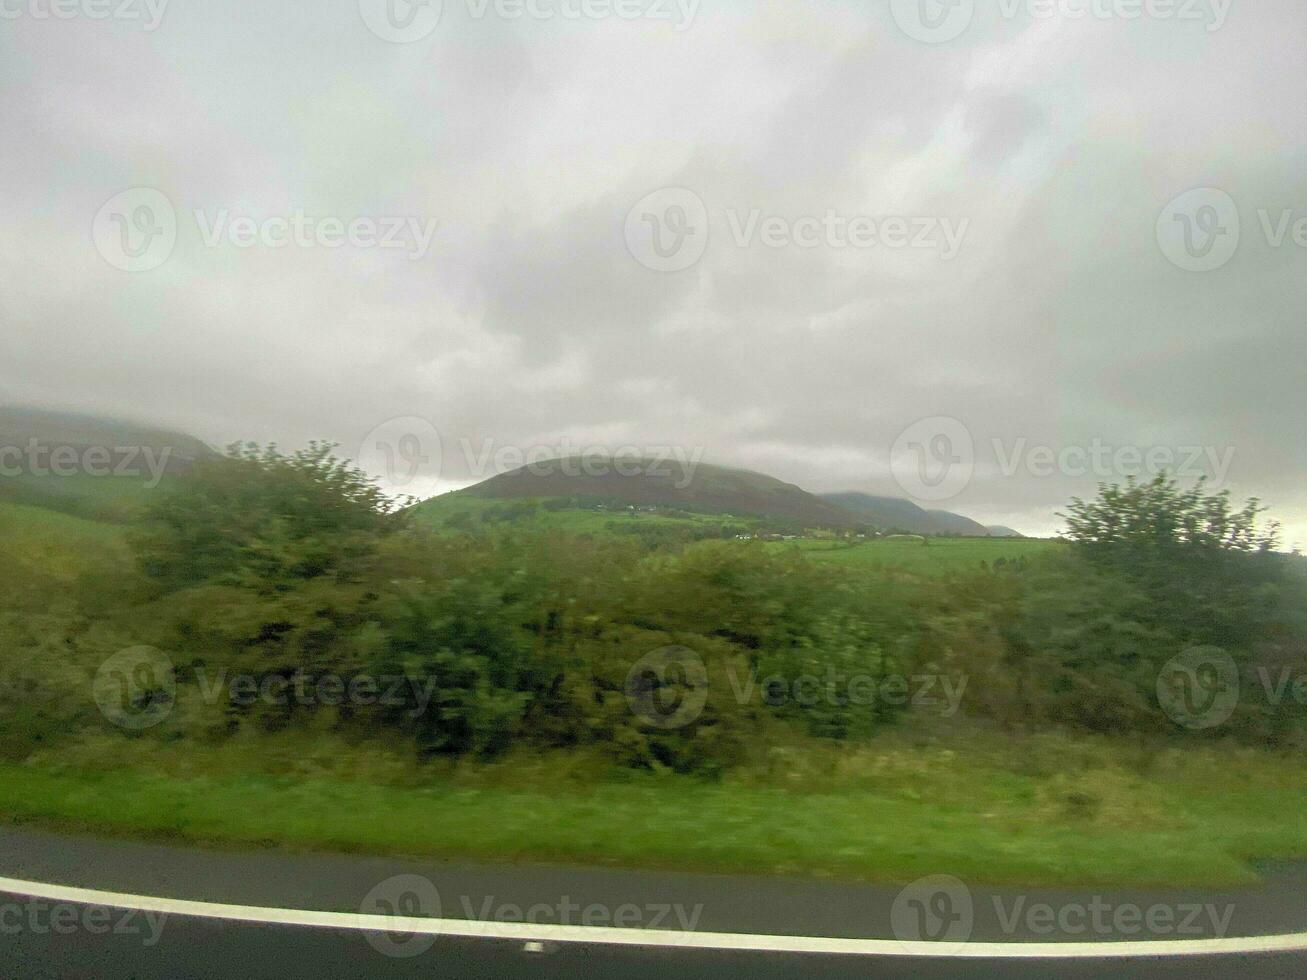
x: 523, y: 647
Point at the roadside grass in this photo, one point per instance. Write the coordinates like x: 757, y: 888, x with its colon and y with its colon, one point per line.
x: 1039, y: 810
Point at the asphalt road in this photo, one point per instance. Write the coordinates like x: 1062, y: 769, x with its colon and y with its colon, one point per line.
x: 560, y: 921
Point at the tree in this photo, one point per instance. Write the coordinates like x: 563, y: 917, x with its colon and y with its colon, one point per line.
x: 1207, y: 573
x: 257, y: 517
x: 1160, y: 516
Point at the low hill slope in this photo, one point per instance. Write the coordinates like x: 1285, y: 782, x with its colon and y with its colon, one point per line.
x: 697, y: 488
x: 87, y: 465
x: 950, y: 523
x: 1003, y: 531
x: 895, y: 514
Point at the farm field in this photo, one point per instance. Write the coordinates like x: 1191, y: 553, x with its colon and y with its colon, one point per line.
x: 938, y: 554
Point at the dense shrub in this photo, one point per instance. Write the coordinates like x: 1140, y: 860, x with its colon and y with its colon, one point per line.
x: 275, y: 568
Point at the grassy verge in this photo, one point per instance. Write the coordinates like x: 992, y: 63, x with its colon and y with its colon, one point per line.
x: 883, y: 813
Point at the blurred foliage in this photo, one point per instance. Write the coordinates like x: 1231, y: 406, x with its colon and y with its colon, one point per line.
x: 509, y: 635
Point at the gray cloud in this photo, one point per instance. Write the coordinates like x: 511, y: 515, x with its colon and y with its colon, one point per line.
x: 1059, y: 322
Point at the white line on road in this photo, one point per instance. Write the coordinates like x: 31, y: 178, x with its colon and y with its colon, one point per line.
x: 606, y: 935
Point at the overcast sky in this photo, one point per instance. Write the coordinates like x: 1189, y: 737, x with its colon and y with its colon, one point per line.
x: 646, y: 231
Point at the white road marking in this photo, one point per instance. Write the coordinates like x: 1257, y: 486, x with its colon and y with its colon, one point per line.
x: 528, y: 932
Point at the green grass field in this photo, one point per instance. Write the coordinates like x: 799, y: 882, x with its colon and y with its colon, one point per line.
x: 934, y: 554
x: 46, y: 542
x: 451, y: 511
x: 1036, y: 811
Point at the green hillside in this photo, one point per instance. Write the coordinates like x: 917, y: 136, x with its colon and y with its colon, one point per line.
x: 665, y: 484
x: 895, y: 514
x: 461, y: 511
x: 87, y: 465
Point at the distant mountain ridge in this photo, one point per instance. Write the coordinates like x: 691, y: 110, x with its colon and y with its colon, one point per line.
x: 698, y: 487
x: 85, y: 464
x: 19, y: 425
x: 663, y: 483
x: 713, y: 489
x: 896, y: 514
